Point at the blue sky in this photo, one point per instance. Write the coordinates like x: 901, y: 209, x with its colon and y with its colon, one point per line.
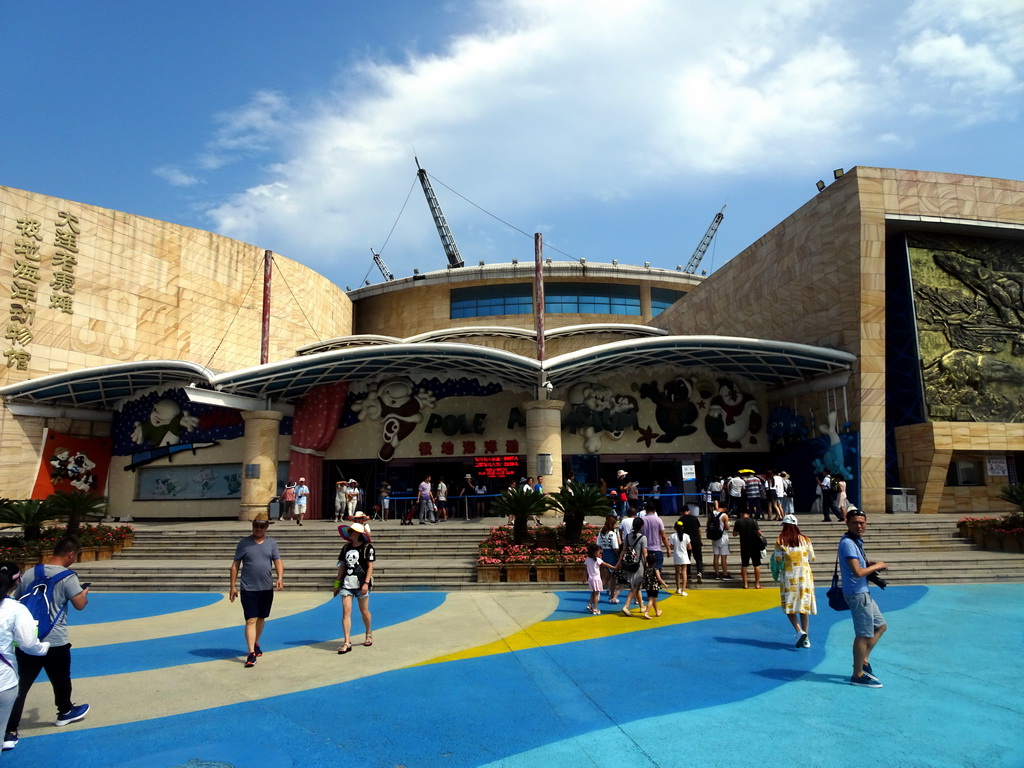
x: 616, y: 129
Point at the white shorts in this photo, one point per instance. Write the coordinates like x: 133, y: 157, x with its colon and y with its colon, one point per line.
x: 720, y: 547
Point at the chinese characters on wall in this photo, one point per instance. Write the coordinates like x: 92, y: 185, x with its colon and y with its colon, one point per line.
x: 28, y: 274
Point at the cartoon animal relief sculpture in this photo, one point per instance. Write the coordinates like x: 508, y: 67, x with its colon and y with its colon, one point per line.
x: 732, y: 417
x: 80, y: 471
x: 674, y: 411
x: 165, y: 426
x: 595, y: 410
x: 832, y: 459
x: 398, y: 405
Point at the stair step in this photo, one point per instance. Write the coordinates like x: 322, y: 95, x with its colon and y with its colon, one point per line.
x: 919, y: 549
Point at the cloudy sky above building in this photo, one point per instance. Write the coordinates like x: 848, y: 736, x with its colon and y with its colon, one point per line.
x: 616, y: 129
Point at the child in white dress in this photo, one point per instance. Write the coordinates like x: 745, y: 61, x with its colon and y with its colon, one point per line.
x: 593, y: 564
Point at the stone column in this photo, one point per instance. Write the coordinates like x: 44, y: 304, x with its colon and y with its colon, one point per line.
x: 544, y: 435
x: 259, y: 450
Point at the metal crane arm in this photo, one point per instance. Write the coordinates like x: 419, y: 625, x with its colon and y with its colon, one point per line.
x: 382, y: 266
x: 450, y: 248
x: 691, y: 267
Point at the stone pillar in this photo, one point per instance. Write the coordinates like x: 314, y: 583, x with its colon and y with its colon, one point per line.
x: 544, y: 435
x: 259, y: 450
x: 924, y: 452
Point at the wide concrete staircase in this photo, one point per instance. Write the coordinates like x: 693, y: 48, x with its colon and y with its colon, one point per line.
x: 182, y: 557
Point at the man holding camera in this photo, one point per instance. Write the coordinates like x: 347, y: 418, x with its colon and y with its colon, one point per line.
x: 868, y: 622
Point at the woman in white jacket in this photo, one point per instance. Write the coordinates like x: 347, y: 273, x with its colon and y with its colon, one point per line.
x: 16, y: 625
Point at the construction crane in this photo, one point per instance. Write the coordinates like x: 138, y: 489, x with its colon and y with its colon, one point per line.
x: 691, y: 268
x: 381, y: 265
x: 450, y: 248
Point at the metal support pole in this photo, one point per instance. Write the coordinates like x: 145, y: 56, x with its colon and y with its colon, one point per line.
x: 268, y: 271
x: 538, y: 311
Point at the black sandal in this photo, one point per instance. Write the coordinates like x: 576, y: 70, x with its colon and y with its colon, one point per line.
x: 345, y: 648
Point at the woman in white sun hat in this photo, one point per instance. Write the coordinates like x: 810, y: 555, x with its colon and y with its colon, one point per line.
x: 792, y: 562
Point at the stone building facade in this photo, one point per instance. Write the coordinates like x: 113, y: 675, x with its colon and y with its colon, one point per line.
x: 859, y: 334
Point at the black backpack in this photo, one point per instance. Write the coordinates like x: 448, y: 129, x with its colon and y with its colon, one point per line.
x: 714, y: 529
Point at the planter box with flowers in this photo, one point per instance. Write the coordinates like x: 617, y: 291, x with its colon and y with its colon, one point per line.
x: 551, y: 563
x: 973, y: 528
x: 99, y: 542
x: 546, y: 563
x: 488, y: 570
x: 517, y: 560
x: 573, y: 567
x: 997, y: 534
x: 1014, y: 541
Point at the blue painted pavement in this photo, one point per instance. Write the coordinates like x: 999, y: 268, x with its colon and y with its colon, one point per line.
x: 722, y: 692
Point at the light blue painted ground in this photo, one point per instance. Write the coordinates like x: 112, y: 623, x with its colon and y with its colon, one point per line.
x: 307, y: 628
x: 723, y: 692
x: 119, y: 606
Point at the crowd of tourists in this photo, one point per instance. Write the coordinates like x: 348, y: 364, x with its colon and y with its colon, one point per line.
x: 626, y: 562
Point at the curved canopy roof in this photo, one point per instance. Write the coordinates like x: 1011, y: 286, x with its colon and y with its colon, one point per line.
x: 104, y: 386
x: 289, y: 379
x: 772, y: 363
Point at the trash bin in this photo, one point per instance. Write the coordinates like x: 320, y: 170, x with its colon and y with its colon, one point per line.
x: 899, y: 500
x: 274, y: 509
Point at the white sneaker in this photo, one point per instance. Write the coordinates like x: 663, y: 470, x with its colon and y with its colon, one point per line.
x: 806, y: 643
x: 680, y: 592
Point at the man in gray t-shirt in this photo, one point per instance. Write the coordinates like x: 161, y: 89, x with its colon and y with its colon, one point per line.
x: 57, y: 661
x: 257, y: 555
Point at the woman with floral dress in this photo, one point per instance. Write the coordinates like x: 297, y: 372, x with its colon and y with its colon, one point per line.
x: 794, y: 553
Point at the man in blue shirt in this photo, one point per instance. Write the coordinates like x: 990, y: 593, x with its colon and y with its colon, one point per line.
x: 868, y: 622
x: 301, y: 497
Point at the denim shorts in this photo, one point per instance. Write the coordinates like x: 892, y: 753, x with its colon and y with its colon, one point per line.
x: 356, y: 593
x: 866, y: 616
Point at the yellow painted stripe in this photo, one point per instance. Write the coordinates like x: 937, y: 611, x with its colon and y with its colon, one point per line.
x: 697, y: 606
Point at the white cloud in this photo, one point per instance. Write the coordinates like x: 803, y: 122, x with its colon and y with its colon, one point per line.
x: 254, y: 128
x: 175, y: 176
x: 963, y: 58
x: 951, y: 59
x: 579, y: 102
x: 998, y: 23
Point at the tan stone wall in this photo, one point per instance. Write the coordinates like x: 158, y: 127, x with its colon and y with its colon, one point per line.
x: 819, y: 278
x: 925, y: 452
x: 143, y: 290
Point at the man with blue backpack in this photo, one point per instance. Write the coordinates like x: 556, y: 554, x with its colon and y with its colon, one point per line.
x: 46, y: 590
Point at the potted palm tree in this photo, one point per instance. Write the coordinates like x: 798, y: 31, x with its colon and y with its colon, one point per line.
x: 76, y: 506
x: 28, y: 514
x: 522, y: 506
x: 575, y: 501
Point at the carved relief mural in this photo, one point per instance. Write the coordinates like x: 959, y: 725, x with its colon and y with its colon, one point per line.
x: 419, y: 418
x: 969, y: 304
